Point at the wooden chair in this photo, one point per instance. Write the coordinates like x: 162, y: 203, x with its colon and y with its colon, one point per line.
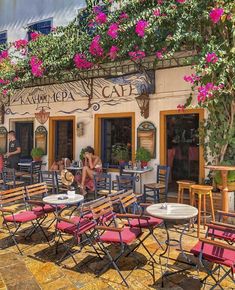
x: 34, y: 173
x: 201, y: 192
x: 14, y: 220
x: 121, y: 173
x: 9, y: 178
x: 102, y: 184
x: 126, y: 182
x: 182, y: 185
x: 49, y: 177
x: 160, y: 186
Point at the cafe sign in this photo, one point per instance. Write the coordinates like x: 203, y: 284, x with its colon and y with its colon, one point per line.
x: 110, y: 88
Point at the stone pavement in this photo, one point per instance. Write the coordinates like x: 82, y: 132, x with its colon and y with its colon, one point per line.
x: 37, y: 268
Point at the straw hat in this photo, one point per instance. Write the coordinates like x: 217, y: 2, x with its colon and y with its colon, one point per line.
x: 67, y: 177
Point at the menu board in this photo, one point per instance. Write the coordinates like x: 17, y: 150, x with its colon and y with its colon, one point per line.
x: 41, y: 138
x: 146, y: 137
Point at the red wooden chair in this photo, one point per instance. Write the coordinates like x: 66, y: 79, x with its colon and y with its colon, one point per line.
x: 137, y: 218
x: 223, y: 231
x: 13, y: 221
x: 113, y: 234
x: 79, y: 225
x: 215, y: 252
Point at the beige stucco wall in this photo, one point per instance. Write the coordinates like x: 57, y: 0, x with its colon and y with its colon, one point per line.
x: 171, y: 90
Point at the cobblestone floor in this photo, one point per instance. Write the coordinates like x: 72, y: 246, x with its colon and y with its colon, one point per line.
x: 37, y: 268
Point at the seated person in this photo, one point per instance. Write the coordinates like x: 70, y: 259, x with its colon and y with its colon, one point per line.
x: 92, y: 165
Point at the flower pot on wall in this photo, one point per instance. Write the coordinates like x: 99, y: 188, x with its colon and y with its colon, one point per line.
x: 37, y: 158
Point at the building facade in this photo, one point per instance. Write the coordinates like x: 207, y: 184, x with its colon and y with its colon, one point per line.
x: 63, y: 118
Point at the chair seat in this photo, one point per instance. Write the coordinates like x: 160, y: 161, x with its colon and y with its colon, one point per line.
x: 146, y: 223
x: 46, y: 209
x: 228, y: 235
x: 68, y: 228
x: 155, y: 185
x: 106, y: 191
x: 216, y: 254
x: 14, y: 183
x: 24, y: 216
x: 128, y: 235
x: 21, y: 173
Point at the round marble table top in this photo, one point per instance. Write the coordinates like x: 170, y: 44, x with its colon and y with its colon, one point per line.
x: 174, y: 211
x: 58, y: 199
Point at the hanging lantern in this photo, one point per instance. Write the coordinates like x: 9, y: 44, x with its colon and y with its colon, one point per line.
x: 42, y: 116
x: 143, y: 103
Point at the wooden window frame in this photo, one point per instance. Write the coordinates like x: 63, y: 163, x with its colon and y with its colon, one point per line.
x: 52, y: 137
x: 97, y: 132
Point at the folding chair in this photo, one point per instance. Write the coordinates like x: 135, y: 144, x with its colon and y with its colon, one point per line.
x: 112, y: 234
x: 16, y: 220
x: 154, y: 190
x: 219, y: 253
x: 222, y: 230
x: 137, y: 218
x: 80, y: 227
x: 40, y: 190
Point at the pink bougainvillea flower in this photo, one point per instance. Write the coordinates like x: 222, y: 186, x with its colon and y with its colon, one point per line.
x: 113, y: 52
x: 81, y: 62
x: 211, y: 57
x: 192, y: 78
x: 157, y: 12
x: 159, y: 55
x: 216, y: 14
x: 21, y: 43
x: 16, y: 79
x: 95, y: 47
x: 5, y: 92
x: 136, y: 55
x: 181, y: 107
x: 34, y: 35
x: 206, y: 91
x: 101, y: 18
x: 160, y: 2
x: 140, y: 27
x: 97, y: 9
x: 113, y: 30
x: 3, y: 82
x: 180, y: 1
x: 123, y: 16
x: 4, y: 54
x: 36, y: 66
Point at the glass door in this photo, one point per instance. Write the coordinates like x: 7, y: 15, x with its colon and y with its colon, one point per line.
x: 24, y: 134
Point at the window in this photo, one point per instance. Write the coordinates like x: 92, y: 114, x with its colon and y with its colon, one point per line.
x: 3, y: 38
x: 43, y: 27
x: 114, y: 129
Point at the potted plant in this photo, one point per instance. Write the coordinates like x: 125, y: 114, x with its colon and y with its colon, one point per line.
x: 120, y: 153
x: 231, y: 178
x: 37, y: 154
x: 81, y: 156
x: 143, y: 155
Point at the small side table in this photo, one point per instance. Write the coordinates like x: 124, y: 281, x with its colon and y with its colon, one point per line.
x: 174, y: 212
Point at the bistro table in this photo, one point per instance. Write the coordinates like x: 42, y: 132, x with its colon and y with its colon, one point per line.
x: 63, y: 199
x: 138, y: 173
x: 224, y: 174
x: 173, y: 212
x: 28, y: 164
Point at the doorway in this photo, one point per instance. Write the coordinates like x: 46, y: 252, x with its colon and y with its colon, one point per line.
x: 24, y: 134
x: 180, y: 147
x: 62, y: 138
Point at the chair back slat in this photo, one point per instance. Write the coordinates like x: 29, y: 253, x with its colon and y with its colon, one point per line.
x: 115, y: 197
x: 36, y: 189
x: 101, y: 208
x: 11, y: 195
x: 49, y: 177
x: 128, y: 198
x: 126, y: 182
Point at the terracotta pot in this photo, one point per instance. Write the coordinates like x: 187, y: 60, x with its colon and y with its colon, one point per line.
x: 37, y: 158
x: 144, y: 164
